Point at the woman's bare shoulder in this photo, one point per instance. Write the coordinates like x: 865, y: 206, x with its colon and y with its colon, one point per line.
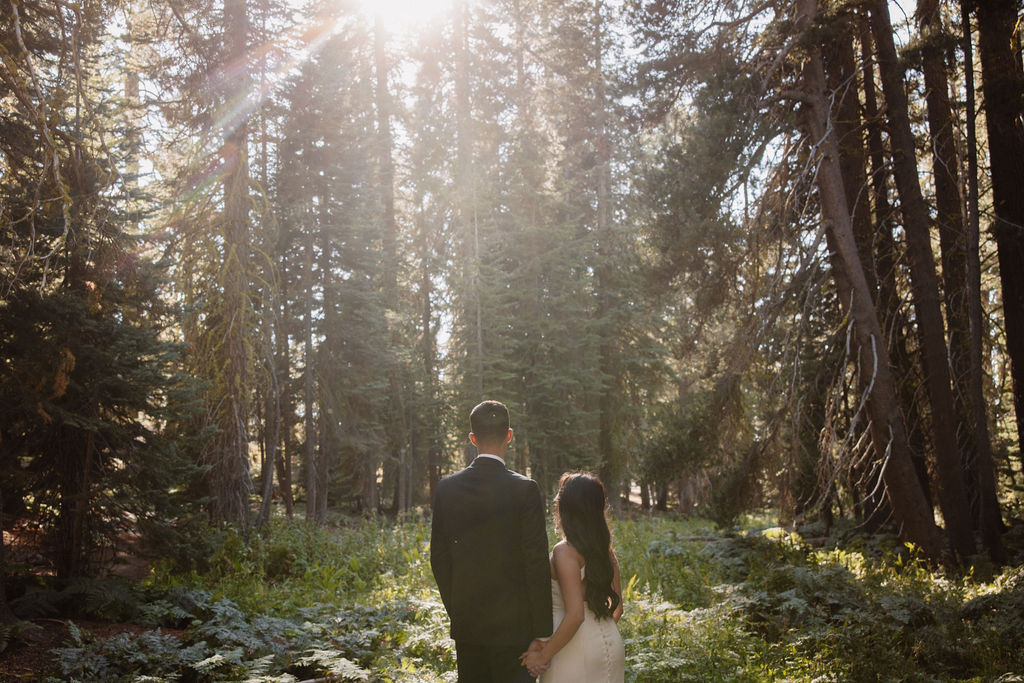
x: 565, y: 552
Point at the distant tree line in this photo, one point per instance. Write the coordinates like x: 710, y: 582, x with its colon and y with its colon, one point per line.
x: 728, y: 255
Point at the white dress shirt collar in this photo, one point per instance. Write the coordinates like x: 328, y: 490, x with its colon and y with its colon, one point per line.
x: 492, y: 456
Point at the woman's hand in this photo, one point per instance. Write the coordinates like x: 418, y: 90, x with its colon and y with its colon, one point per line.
x: 533, y: 659
x: 535, y: 663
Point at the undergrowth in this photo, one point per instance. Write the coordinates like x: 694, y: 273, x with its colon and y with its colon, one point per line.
x: 357, y: 602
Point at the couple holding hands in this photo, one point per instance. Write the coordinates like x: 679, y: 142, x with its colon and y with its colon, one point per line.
x: 517, y: 613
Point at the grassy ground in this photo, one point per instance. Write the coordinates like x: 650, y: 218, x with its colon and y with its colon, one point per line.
x: 357, y: 601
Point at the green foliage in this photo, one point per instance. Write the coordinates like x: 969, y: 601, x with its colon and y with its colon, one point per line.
x: 358, y: 602
x: 93, y: 413
x: 15, y: 633
x: 123, y: 657
x: 110, y: 599
x: 662, y: 564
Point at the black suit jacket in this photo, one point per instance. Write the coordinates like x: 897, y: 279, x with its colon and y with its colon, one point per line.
x: 489, y: 555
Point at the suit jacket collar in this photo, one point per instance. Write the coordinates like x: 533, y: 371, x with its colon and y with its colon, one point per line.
x: 492, y: 461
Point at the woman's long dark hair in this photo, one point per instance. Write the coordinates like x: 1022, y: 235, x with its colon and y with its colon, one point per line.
x: 579, y: 510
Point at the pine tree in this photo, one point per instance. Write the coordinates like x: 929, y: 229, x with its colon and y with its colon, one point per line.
x: 96, y: 436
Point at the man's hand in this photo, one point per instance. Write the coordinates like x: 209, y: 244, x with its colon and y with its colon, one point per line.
x: 533, y: 659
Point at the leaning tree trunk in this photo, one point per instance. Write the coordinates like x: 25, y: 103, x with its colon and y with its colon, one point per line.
x: 910, y: 508
x: 841, y: 73
x: 990, y: 519
x: 1003, y: 87
x: 924, y: 289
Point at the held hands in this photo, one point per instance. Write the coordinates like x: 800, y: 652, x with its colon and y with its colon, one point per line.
x: 533, y: 659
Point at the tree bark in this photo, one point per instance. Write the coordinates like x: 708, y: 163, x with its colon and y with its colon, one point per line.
x: 989, y: 519
x: 327, y: 386
x: 841, y: 73
x: 397, y: 431
x: 924, y: 289
x: 949, y: 217
x: 267, y: 463
x: 229, y: 474
x: 912, y: 512
x: 428, y: 353
x: 133, y: 115
x: 386, y: 166
x: 889, y: 299
x: 961, y: 286
x: 1003, y: 89
x: 465, y: 196
x: 271, y: 431
x: 286, y: 404
x: 612, y: 465
x: 309, y: 384
x: 6, y: 615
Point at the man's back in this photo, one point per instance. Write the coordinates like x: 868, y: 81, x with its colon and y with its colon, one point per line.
x: 489, y: 555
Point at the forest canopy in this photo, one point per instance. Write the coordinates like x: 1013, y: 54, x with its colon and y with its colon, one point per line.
x: 732, y: 255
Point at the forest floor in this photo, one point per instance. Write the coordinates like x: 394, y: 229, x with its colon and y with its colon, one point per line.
x: 28, y: 656
x: 30, y: 659
x: 356, y: 601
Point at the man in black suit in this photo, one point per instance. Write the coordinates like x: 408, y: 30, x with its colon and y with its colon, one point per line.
x: 489, y: 555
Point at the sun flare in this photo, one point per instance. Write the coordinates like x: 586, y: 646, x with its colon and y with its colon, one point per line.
x: 406, y: 14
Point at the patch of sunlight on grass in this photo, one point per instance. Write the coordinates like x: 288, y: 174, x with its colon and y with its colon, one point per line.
x: 758, y: 520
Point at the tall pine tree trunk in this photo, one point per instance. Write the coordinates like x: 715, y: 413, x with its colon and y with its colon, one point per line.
x: 428, y: 354
x: 309, y: 382
x: 612, y: 467
x: 271, y: 427
x: 958, y: 291
x: 529, y: 178
x: 972, y: 438
x: 286, y: 404
x: 134, y: 111
x: 1003, y: 87
x: 889, y: 299
x: 990, y: 519
x: 465, y: 194
x: 272, y: 414
x: 924, y: 289
x: 911, y: 509
x: 229, y: 474
x: 949, y: 217
x: 397, y: 430
x: 327, y: 362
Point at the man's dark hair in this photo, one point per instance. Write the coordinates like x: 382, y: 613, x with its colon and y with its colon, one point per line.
x: 489, y: 421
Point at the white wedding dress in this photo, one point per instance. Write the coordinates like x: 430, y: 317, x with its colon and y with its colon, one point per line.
x: 594, y: 655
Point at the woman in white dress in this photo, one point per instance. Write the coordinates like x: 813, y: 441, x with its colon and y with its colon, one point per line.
x: 586, y: 594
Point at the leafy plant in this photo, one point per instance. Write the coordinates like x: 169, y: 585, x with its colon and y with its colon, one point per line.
x: 357, y: 602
